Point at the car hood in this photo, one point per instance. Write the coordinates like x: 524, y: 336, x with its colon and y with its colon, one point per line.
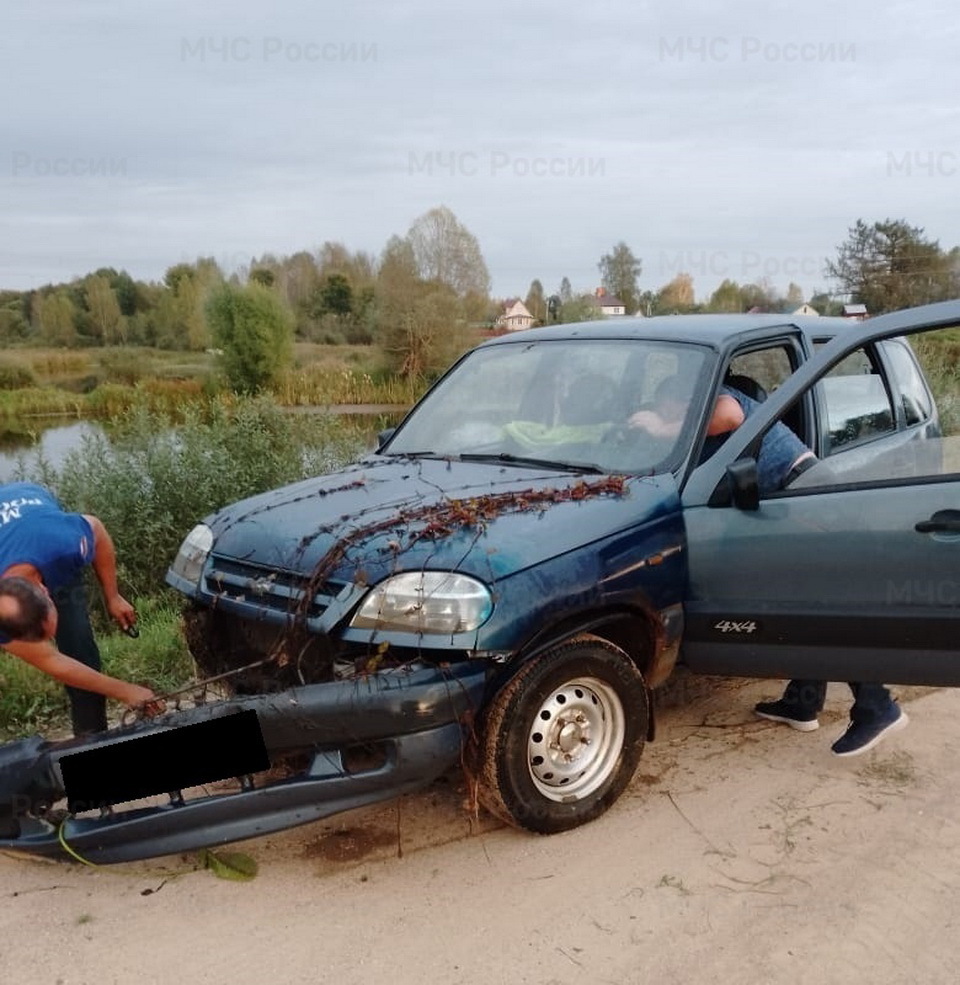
x: 389, y: 514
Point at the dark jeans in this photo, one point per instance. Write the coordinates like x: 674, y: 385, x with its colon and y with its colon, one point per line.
x: 870, y: 701
x: 88, y: 711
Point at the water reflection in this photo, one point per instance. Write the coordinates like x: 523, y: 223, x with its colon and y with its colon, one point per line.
x: 23, y: 450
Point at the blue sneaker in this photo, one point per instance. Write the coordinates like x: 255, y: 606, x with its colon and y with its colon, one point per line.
x: 861, y: 736
x: 787, y: 714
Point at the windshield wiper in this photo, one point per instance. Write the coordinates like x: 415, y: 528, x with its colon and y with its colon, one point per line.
x: 541, y: 463
x: 413, y: 454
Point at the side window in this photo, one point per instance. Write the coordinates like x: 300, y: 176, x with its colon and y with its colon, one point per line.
x: 768, y: 368
x: 913, y: 395
x: 855, y: 403
x: 759, y: 372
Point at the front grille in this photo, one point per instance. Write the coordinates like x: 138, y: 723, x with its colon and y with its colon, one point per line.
x: 281, y: 591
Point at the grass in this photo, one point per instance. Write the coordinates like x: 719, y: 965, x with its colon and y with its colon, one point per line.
x: 30, y: 701
x: 103, y: 383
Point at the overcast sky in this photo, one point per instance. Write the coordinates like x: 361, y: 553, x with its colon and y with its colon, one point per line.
x: 726, y: 140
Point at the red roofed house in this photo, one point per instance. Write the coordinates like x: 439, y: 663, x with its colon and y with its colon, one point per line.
x: 607, y: 303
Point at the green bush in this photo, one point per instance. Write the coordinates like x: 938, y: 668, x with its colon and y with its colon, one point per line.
x: 151, y: 481
x: 254, y: 331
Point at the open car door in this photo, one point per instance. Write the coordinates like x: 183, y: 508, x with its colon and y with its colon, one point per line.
x: 852, y: 573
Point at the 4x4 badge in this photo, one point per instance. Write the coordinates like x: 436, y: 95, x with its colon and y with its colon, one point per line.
x: 729, y: 626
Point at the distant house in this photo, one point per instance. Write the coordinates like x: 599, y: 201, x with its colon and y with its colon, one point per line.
x: 855, y: 311
x: 607, y: 303
x: 514, y: 316
x: 806, y: 309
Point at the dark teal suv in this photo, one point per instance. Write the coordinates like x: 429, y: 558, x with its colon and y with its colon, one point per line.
x: 506, y: 579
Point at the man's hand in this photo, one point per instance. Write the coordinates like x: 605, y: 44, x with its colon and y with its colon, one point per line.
x: 121, y: 612
x: 647, y: 420
x: 651, y: 422
x: 142, y: 699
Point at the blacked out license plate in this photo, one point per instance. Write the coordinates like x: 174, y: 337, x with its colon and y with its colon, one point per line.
x: 164, y: 762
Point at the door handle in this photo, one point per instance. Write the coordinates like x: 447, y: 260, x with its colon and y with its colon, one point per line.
x: 943, y: 521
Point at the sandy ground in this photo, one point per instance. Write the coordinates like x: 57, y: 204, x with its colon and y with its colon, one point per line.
x: 743, y: 852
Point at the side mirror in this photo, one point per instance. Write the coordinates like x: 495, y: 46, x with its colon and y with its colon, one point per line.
x: 384, y: 436
x: 744, y: 484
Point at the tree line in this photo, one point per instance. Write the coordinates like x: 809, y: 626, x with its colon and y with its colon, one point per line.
x: 887, y: 265
x: 424, y: 282
x: 411, y: 297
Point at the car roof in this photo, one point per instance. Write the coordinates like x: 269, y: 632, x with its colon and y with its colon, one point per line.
x: 717, y: 331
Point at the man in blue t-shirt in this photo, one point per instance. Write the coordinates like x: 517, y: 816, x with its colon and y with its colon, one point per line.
x: 43, y: 608
x: 782, y: 456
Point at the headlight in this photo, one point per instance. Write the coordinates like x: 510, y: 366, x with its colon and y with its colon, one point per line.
x: 425, y: 602
x: 188, y: 563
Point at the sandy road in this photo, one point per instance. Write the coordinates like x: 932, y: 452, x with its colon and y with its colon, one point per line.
x: 743, y: 852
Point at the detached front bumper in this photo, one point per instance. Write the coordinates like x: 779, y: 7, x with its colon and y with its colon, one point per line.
x: 409, y: 724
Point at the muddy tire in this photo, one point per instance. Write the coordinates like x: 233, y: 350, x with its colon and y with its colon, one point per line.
x: 562, y: 738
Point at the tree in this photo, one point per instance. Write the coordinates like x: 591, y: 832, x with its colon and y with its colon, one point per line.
x: 181, y: 320
x: 677, y: 296
x: 890, y: 265
x: 54, y: 316
x: 263, y: 276
x: 554, y: 304
x: 535, y: 302
x: 577, y: 309
x: 619, y: 272
x: 447, y: 253
x: 414, y: 318
x: 794, y: 296
x: 761, y: 295
x: 298, y: 279
x: 336, y: 296
x: 418, y: 341
x: 566, y: 291
x: 726, y: 298
x: 254, y: 329
x: 825, y: 304
x: 104, y: 309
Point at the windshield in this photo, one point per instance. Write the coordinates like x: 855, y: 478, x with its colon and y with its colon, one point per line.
x: 563, y: 403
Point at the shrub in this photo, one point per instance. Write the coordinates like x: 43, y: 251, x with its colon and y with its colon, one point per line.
x: 151, y: 481
x: 254, y: 330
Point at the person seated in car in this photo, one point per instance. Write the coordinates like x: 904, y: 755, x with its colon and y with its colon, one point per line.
x: 782, y: 457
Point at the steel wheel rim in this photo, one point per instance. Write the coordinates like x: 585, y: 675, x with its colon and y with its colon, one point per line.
x: 575, y: 739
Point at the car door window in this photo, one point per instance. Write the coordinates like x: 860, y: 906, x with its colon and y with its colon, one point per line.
x: 865, y: 447
x: 855, y: 403
x: 758, y: 372
x: 768, y: 368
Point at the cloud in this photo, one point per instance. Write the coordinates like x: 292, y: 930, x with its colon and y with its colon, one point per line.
x: 140, y: 134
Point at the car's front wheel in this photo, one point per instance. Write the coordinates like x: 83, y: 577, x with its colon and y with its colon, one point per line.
x: 563, y: 737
